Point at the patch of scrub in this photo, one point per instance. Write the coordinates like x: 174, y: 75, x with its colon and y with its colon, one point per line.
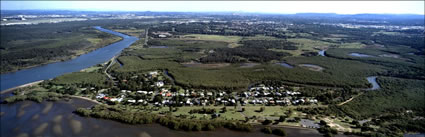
x: 76, y: 126
x: 359, y: 55
x: 40, y: 129
x: 311, y: 67
x: 47, y: 108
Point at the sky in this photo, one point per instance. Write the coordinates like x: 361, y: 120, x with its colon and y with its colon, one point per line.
x: 284, y: 7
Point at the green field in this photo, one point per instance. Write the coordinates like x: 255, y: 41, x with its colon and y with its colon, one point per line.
x: 90, y: 78
x: 228, y: 39
x: 188, y: 44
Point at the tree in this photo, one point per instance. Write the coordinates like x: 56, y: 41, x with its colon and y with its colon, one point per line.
x: 262, y: 109
x: 267, y: 122
x: 282, y: 118
x: 157, y: 98
x: 322, y: 122
x: 267, y: 130
x: 224, y: 109
x: 279, y: 132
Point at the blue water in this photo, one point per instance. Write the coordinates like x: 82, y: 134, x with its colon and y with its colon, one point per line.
x: 48, y: 71
x: 158, y: 47
x: 372, y: 80
x: 321, y: 53
x: 285, y: 65
x: 359, y: 55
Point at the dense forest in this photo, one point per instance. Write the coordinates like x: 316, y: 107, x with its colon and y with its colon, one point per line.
x: 243, y: 54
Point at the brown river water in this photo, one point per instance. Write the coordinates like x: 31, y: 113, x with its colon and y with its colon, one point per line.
x: 53, y: 119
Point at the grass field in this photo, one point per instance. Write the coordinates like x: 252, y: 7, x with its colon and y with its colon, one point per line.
x: 232, y: 41
x: 228, y: 39
x: 98, y: 79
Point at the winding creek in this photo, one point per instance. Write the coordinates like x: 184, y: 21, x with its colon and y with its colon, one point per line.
x: 52, y: 70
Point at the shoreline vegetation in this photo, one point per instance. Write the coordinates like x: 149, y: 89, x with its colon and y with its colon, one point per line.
x: 114, y: 40
x: 45, y: 44
x: 6, y: 91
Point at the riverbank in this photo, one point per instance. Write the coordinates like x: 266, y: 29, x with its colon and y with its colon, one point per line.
x: 21, y: 86
x: 52, y: 70
x: 87, y: 99
x: 76, y: 54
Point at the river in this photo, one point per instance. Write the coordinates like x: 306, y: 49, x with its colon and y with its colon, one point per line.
x: 48, y: 71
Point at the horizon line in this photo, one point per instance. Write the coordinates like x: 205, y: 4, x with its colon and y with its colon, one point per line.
x: 87, y: 10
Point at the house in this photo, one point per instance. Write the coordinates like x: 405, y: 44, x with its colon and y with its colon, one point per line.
x: 116, y: 99
x: 188, y: 102
x: 159, y: 84
x: 153, y: 73
x: 131, y: 101
x: 142, y: 92
x: 100, y: 96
